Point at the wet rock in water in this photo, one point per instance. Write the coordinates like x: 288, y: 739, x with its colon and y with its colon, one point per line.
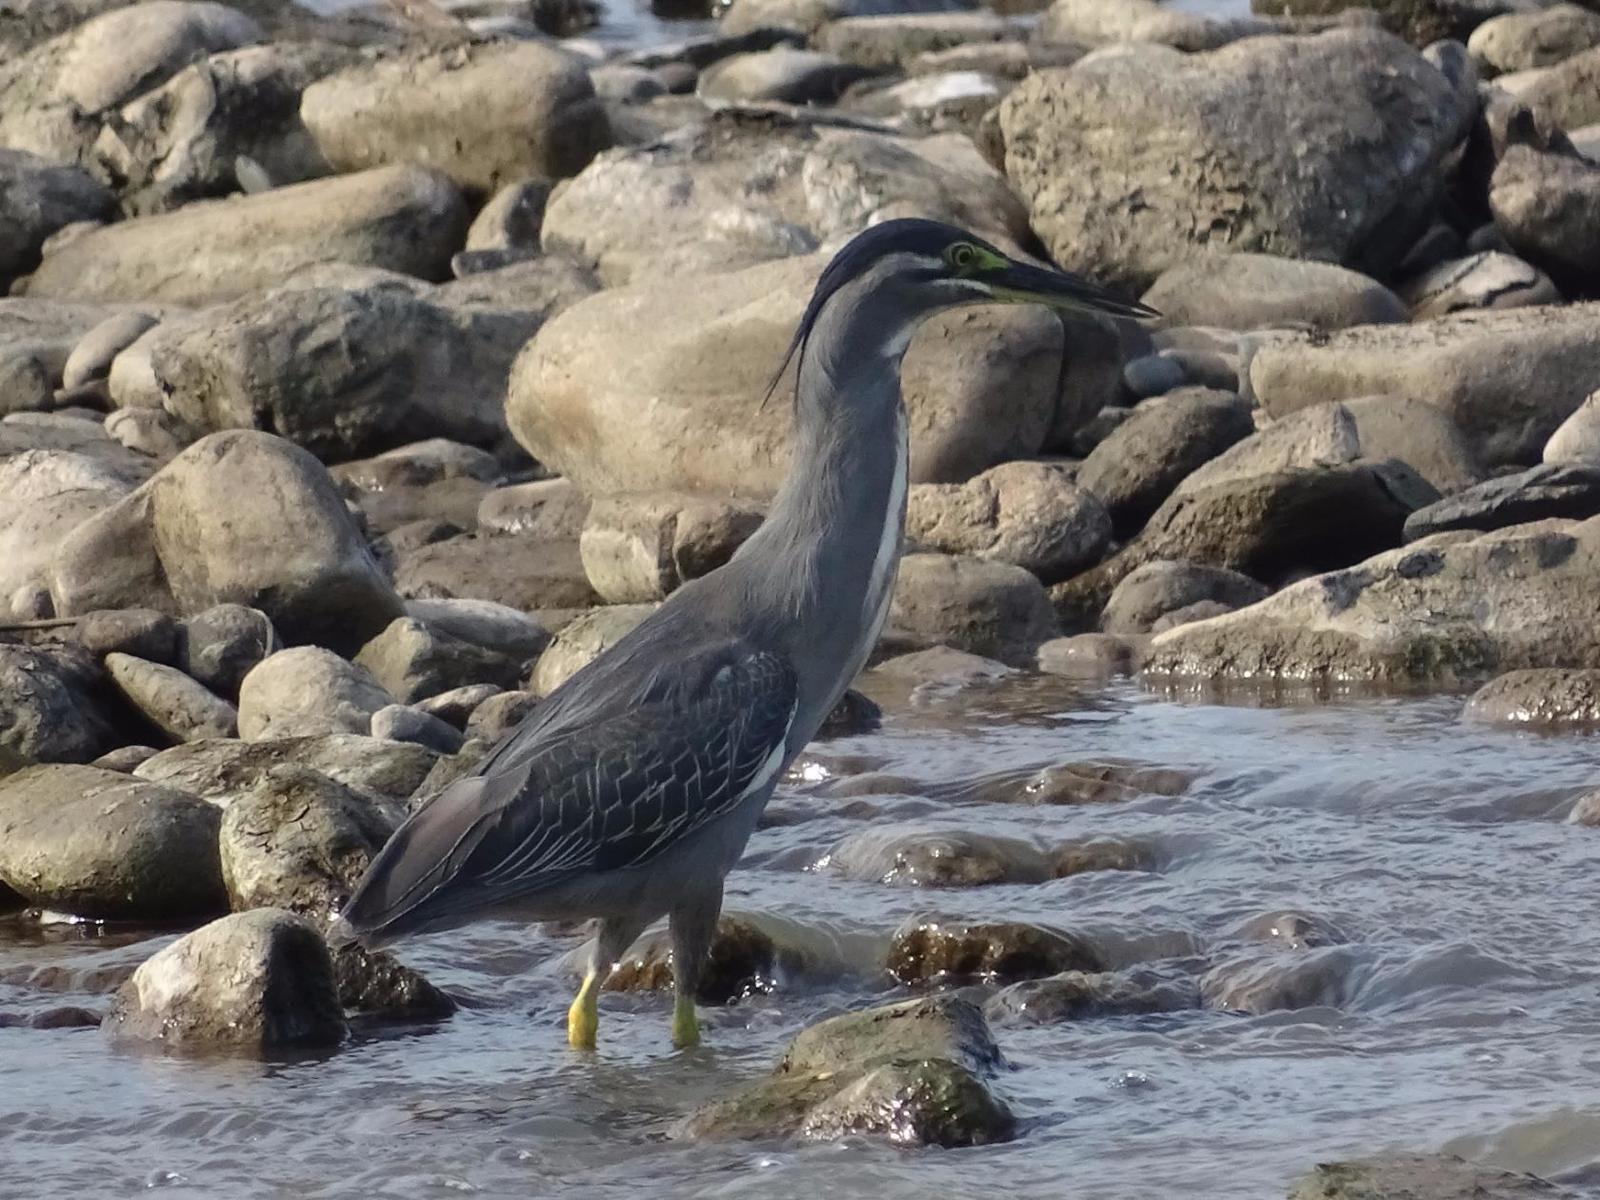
x: 412, y: 661
x: 582, y: 641
x: 678, y: 408
x: 1585, y: 810
x: 484, y: 623
x: 988, y: 608
x: 403, y: 218
x: 239, y: 517
x: 46, y: 494
x: 98, y: 844
x: 392, y: 368
x: 1548, y: 208
x: 1096, y: 656
x: 1029, y: 514
x: 51, y: 706
x: 179, y: 706
x: 498, y: 715
x: 745, y: 960
x: 221, y: 770
x: 1165, y: 586
x: 306, y: 691
x: 1080, y: 995
x: 854, y: 714
x: 403, y: 723
x: 457, y: 705
x: 1232, y: 172
x: 1548, y: 697
x: 257, y: 981
x: 782, y: 74
x: 1297, y: 496
x: 1419, y: 1177
x: 1451, y: 610
x: 38, y: 197
x: 1142, y: 460
x: 1472, y: 365
x: 1569, y: 490
x: 941, y: 858
x: 1085, y: 783
x: 530, y: 108
x: 909, y: 1072
x: 639, y: 548
x: 940, y: 953
x: 1263, y: 984
x: 1295, y: 930
x: 1518, y: 41
x: 376, y: 986
x: 224, y: 643
x: 1489, y: 279
x: 685, y: 203
x: 1566, y: 95
x: 1102, y: 854
x: 892, y: 40
x: 1255, y: 291
x: 185, y: 140
x: 141, y: 632
x: 298, y: 840
x: 941, y: 665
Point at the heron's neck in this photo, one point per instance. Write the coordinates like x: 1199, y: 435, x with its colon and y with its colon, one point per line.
x: 823, y: 564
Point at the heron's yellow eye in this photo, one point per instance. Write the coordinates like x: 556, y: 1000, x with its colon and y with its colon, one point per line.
x: 962, y: 256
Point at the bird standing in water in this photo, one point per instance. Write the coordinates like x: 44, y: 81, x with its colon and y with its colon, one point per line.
x: 630, y: 792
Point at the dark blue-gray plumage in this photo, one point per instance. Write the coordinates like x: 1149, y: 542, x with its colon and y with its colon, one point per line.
x: 631, y: 791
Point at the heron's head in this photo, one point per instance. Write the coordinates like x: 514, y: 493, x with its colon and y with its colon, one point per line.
x: 888, y: 278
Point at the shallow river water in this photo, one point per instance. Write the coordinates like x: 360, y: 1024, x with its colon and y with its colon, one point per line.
x: 1459, y: 1011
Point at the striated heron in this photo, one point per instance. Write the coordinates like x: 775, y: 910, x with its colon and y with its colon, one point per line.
x: 631, y: 791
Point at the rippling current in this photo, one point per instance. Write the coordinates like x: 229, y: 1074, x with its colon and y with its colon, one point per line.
x: 1458, y: 1012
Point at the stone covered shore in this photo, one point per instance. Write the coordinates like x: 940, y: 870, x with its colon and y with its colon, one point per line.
x: 362, y: 377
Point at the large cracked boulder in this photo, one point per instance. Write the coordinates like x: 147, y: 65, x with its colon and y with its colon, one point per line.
x: 1442, y: 612
x: 340, y: 372
x: 56, y: 96
x: 257, y: 981
x: 239, y: 517
x: 1326, y: 147
x: 635, y: 390
x: 487, y: 114
x: 184, y: 140
x: 738, y: 189
x: 402, y: 218
x: 1508, y: 378
x: 99, y: 844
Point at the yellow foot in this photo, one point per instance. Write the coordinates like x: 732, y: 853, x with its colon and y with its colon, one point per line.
x: 685, y: 1025
x: 583, y: 1018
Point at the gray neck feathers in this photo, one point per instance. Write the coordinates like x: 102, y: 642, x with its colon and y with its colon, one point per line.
x: 818, y: 570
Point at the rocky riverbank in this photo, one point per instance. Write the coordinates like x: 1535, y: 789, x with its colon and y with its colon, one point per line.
x: 363, y: 376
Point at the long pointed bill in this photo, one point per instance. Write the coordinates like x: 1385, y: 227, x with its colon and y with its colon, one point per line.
x: 1019, y: 283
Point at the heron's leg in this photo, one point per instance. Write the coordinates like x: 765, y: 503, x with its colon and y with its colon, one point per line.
x: 693, y: 923
x: 612, y: 942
